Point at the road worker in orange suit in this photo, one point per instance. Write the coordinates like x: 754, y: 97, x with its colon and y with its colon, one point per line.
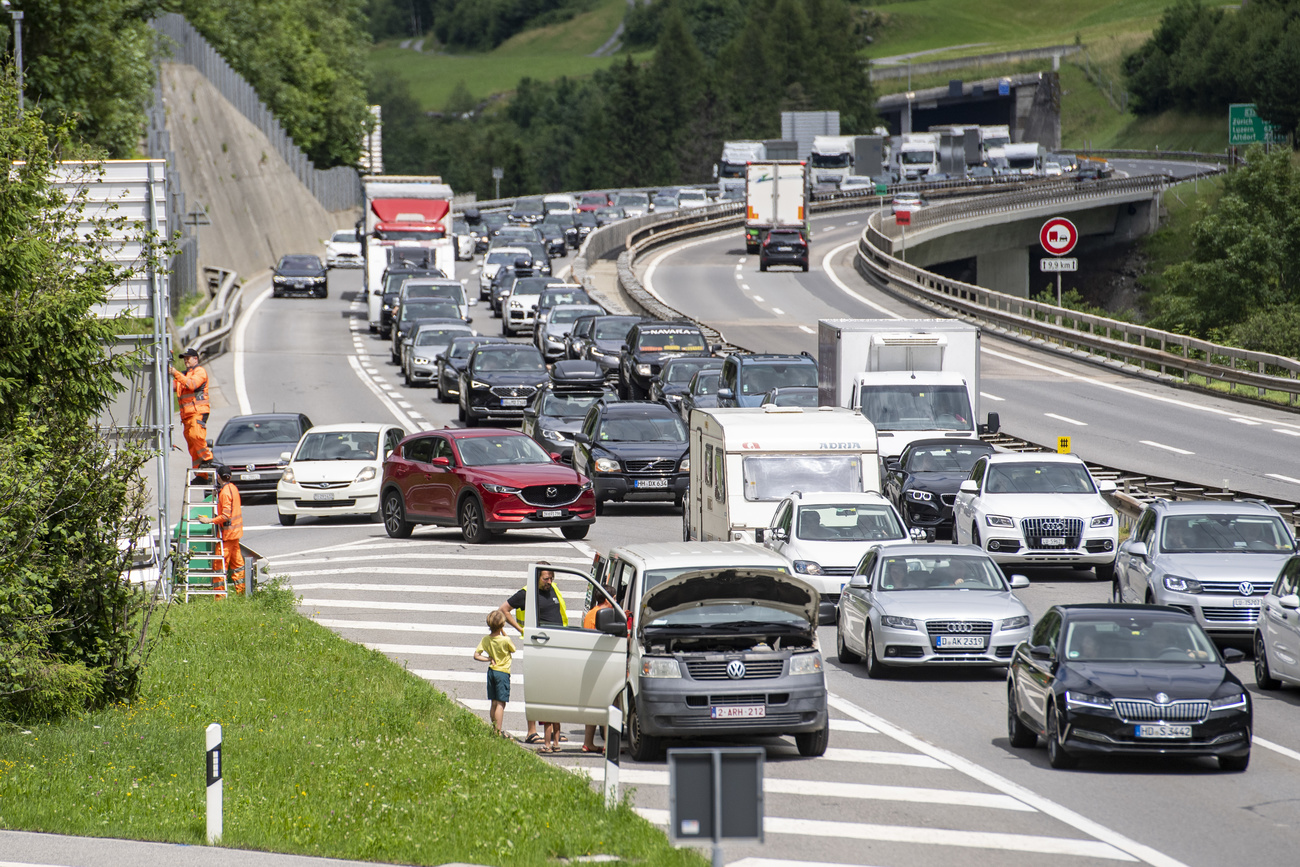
x: 192, y: 392
x: 230, y: 521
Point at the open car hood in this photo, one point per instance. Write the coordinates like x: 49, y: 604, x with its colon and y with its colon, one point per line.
x: 728, y: 586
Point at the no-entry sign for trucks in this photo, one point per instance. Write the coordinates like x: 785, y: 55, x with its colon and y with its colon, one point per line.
x: 1058, y: 236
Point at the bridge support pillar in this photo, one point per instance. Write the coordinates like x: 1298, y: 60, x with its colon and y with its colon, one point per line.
x: 1004, y: 270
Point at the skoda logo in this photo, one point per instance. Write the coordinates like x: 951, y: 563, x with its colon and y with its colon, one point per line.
x: 251, y: 467
x: 1246, y: 588
x: 1161, y: 698
x: 551, y: 492
x: 957, y: 626
x: 735, y: 669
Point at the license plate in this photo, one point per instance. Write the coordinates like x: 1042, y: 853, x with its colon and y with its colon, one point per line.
x: 1163, y: 731
x: 784, y: 249
x: 322, y: 496
x: 249, y: 477
x: 551, y: 513
x: 1247, y: 603
x: 649, y: 483
x: 1053, y: 541
x: 741, y: 711
x: 970, y: 642
x: 514, y: 401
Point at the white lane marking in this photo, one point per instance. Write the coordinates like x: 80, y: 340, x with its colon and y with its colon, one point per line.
x: 1290, y: 433
x: 742, y: 260
x: 844, y: 287
x: 778, y: 311
x: 745, y: 287
x: 404, y: 405
x: 737, y: 266
x: 402, y: 418
x: 1250, y: 421
x: 241, y: 391
x: 368, y: 604
x: 526, y: 558
x: 414, y: 414
x: 855, y: 791
x: 1174, y: 449
x: 806, y: 329
x: 1283, y: 478
x: 758, y: 298
x: 1277, y: 748
x: 827, y: 228
x: 1065, y: 419
x: 511, y: 575
x: 918, y: 835
x: 1121, y: 846
x: 385, y: 626
x: 319, y: 550
x: 416, y: 588
x: 465, y: 650
x: 649, y: 281
x: 880, y: 757
x: 785, y: 862
x: 851, y: 725
x: 851, y: 223
x: 992, y: 396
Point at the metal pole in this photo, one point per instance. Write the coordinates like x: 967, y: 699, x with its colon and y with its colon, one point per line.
x: 498, y: 187
x: 1058, y: 288
x: 717, y: 809
x: 18, y: 53
x: 214, y: 783
x: 613, y: 745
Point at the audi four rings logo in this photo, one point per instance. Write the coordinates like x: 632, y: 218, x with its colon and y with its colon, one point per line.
x: 551, y: 492
x: 735, y: 669
x: 956, y: 626
x: 1053, y: 526
x: 1246, y: 588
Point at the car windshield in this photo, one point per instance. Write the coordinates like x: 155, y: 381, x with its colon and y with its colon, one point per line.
x: 635, y: 199
x: 612, y: 329
x: 266, y: 430
x: 1027, y: 478
x: 571, y: 296
x: 912, y: 158
x: 339, y: 445
x: 567, y: 405
x: 706, y: 382
x: 503, y: 257
x: 945, y: 458
x: 510, y: 358
x: 421, y: 308
x: 773, y: 477
x: 847, y: 523
x: 436, y: 336
x: 431, y: 290
x: 1223, y: 534
x: 802, y: 397
x: 940, y: 572
x: 566, y: 313
x: 784, y: 238
x: 490, y: 451
x: 595, y: 199
x: 394, y: 234
x: 829, y: 161
x: 1137, y: 638
x: 762, y: 378
x: 916, y: 407
x: 681, y: 370
x: 642, y: 429
x: 348, y: 235
x: 300, y: 263
x: 670, y: 340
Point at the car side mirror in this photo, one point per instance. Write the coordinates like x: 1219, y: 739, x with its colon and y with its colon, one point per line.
x: 440, y: 357
x: 859, y: 581
x: 1138, y: 549
x: 760, y: 536
x: 1233, y: 654
x: 919, y: 534
x: 469, y: 320
x: 1291, y: 600
x: 725, y: 393
x: 624, y: 347
x: 891, y: 463
x: 1041, y: 651
x: 778, y: 534
x: 970, y: 486
x: 441, y: 462
x: 285, y: 456
x: 611, y: 622
x: 556, y: 457
x: 994, y: 424
x: 1019, y: 582
x: 581, y: 437
x: 1106, y: 486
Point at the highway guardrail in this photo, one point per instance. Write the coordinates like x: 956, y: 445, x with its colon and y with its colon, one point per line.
x: 209, y: 332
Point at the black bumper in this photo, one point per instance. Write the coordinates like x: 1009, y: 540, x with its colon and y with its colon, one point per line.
x: 623, y: 488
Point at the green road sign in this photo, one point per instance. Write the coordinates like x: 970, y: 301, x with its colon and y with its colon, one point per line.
x: 881, y: 189
x: 1245, y: 126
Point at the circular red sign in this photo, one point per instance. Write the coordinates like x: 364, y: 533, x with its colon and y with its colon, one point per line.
x: 1058, y: 236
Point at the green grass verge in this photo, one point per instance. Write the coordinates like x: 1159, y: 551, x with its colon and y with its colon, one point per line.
x: 330, y: 749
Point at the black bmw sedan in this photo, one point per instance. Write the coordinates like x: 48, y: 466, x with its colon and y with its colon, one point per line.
x: 1104, y: 680
x: 922, y: 482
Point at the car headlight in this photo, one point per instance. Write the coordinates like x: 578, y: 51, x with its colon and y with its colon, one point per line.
x: 553, y: 435
x: 586, y: 486
x: 1102, y: 521
x: 807, y: 567
x: 1011, y: 623
x: 806, y: 663
x: 423, y: 361
x: 643, y: 369
x: 366, y: 474
x: 289, y: 476
x: 606, y: 465
x: 1228, y: 702
x: 685, y: 465
x: 920, y: 496
x: 999, y: 521
x: 659, y: 667
x: 894, y: 622
x: 1084, y: 701
x: 516, y: 304
x: 278, y: 279
x: 474, y: 383
x: 500, y: 489
x: 1182, y: 585
x: 596, y: 353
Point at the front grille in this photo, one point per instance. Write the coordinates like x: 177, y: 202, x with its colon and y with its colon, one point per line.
x: 747, y: 698
x: 959, y: 627
x: 325, y: 504
x: 948, y: 499
x: 1036, y: 529
x: 716, y: 669
x: 1216, y: 614
x: 703, y: 720
x: 550, y: 495
x: 1140, y: 710
x: 513, y: 390
x: 1233, y: 588
x: 323, y: 486
x: 839, y: 571
x: 654, y: 465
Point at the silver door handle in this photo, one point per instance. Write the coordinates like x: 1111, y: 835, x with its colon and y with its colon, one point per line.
x: 541, y: 637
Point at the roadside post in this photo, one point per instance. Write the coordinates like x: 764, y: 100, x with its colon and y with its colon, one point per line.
x: 214, y: 783
x: 1062, y: 445
x: 613, y: 744
x: 1058, y: 237
x: 903, y: 219
x: 497, y: 174
x: 715, y: 794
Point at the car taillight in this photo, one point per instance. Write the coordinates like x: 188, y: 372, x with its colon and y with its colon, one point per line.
x: 629, y: 623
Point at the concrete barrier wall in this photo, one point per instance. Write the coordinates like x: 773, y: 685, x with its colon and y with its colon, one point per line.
x: 902, y: 70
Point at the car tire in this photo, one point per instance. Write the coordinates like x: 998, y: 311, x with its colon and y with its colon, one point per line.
x: 460, y: 411
x: 1021, y: 736
x: 1264, y: 678
x: 762, y: 266
x: 506, y: 331
x: 813, y: 745
x: 473, y: 528
x: 600, y: 507
x: 1105, y: 572
x: 275, y: 293
x: 287, y: 520
x: 442, y: 394
x: 374, y: 329
x: 1057, y: 757
x: 575, y: 532
x: 470, y: 421
x: 395, y: 523
x: 1234, y: 763
x: 842, y: 652
x: 640, y: 746
x: 406, y: 378
x: 324, y: 293
x: 876, y: 670
x: 805, y: 267
x: 975, y: 537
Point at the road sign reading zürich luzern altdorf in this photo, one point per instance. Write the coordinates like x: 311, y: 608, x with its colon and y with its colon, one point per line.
x: 1245, y: 126
x: 1058, y: 236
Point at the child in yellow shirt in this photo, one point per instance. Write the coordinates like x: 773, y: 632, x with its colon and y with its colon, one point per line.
x: 496, y: 649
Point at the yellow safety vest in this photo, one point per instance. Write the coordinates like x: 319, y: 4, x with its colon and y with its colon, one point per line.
x: 559, y: 597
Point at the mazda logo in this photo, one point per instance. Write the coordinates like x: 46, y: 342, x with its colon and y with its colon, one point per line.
x: 957, y: 626
x: 1246, y: 588
x: 551, y: 492
x: 735, y: 669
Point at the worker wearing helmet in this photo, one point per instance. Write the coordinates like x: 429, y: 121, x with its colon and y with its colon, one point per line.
x: 230, y: 520
x: 192, y: 393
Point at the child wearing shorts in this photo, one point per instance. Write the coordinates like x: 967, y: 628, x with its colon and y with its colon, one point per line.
x: 496, y: 650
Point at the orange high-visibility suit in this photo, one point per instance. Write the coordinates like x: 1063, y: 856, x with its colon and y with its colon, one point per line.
x: 230, y: 520
x: 192, y: 392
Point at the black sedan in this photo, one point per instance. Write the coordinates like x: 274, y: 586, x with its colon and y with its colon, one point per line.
x: 1107, y: 680
x: 499, y: 381
x: 604, y: 343
x: 300, y: 274
x: 701, y: 393
x: 451, y: 361
x: 922, y: 482
x: 251, y: 446
x: 675, y: 377
x: 555, y: 416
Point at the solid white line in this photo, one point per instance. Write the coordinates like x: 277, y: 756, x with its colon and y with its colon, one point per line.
x: 384, y: 626
x: 401, y: 417
x: 992, y: 396
x: 1173, y: 449
x: 461, y: 676
x: 526, y: 558
x: 844, y: 287
x: 372, y: 605
x: 930, y: 836
x: 807, y: 329
x: 1065, y: 419
x: 414, y: 588
x: 241, y: 391
x: 778, y: 311
x: 851, y: 725
x: 1283, y: 478
x: 1290, y: 433
x: 1113, y: 839
x: 403, y: 570
x: 1249, y: 421
x: 466, y: 650
x: 1277, y: 748
x: 882, y: 757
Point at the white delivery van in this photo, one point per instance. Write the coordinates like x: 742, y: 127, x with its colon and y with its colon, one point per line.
x: 746, y: 460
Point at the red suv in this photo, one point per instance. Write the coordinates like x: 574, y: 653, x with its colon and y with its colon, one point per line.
x: 485, y: 481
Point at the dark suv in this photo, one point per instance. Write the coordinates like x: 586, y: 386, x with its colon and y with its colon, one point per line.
x: 647, y: 346
x: 746, y: 377
x: 633, y: 450
x: 498, y: 381
x: 783, y: 247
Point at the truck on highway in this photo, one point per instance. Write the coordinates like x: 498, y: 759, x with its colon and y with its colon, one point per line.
x: 1024, y: 158
x: 914, y: 379
x: 403, y: 211
x: 918, y: 155
x: 831, y: 160
x: 746, y: 460
x: 730, y: 170
x: 776, y: 196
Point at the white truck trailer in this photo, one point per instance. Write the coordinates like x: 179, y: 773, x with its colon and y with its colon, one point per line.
x: 745, y: 460
x: 831, y: 160
x: 730, y: 170
x: 406, y: 211
x: 913, y: 378
x: 918, y: 155
x: 776, y: 195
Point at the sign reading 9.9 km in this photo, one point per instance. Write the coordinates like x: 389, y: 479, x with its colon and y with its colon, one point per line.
x: 1058, y: 236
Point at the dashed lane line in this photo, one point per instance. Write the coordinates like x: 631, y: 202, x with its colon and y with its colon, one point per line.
x: 992, y: 396
x: 1066, y: 419
x: 1174, y: 449
x: 402, y: 418
x: 1282, y: 478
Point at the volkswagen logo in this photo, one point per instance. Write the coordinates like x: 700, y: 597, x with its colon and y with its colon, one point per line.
x: 735, y: 669
x: 958, y: 626
x: 1246, y: 588
x: 1161, y: 698
x: 552, y: 492
x: 251, y: 467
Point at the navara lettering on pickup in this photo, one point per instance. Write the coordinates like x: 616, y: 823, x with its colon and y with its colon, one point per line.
x: 839, y: 445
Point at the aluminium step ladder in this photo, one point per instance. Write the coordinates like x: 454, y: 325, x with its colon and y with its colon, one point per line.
x: 200, y: 543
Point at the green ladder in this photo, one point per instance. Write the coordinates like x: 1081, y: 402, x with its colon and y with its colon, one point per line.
x: 200, y: 543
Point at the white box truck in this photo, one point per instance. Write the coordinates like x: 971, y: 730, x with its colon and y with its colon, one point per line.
x: 831, y: 160
x: 746, y: 460
x: 918, y: 155
x: 403, y: 210
x: 913, y: 378
x: 776, y: 195
x: 1024, y: 158
x: 730, y: 170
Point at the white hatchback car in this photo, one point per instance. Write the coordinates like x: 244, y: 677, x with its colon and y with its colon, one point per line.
x: 1038, y: 509
x: 336, y: 469
x: 343, y: 250
x: 494, y: 260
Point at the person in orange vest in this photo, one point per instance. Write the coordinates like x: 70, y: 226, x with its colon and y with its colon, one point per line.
x: 192, y: 392
x: 230, y: 519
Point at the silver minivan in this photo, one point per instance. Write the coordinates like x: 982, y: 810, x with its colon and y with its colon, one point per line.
x: 1277, y: 632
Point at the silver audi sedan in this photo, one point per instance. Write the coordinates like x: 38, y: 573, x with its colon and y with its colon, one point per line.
x: 929, y: 605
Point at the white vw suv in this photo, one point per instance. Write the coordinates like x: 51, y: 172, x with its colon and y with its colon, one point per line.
x: 1038, y: 509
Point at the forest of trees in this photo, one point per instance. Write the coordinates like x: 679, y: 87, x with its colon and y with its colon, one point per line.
x: 467, y: 25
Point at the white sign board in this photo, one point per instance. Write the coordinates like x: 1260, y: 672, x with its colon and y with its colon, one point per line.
x: 1051, y: 265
